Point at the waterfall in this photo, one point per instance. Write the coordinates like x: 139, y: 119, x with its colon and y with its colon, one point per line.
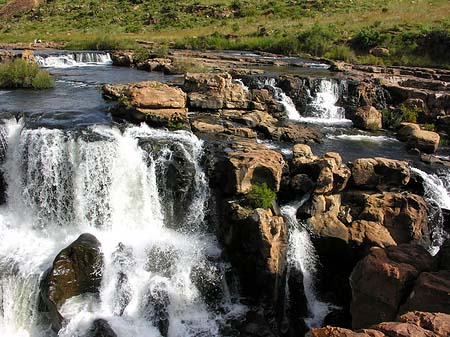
x: 284, y: 99
x: 107, y: 182
x: 79, y: 59
x: 323, y: 99
x: 437, y: 195
x: 302, y: 256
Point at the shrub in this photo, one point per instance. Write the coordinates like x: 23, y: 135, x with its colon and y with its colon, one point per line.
x: 393, y: 118
x: 409, y: 114
x: 366, y: 38
x: 429, y: 127
x: 317, y: 40
x: 261, y: 196
x: 342, y: 53
x: 22, y: 74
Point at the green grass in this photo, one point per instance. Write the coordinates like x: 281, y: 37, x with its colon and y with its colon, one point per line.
x: 415, y: 32
x: 22, y: 74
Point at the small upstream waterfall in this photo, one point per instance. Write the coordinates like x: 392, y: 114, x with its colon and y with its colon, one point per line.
x: 284, y: 99
x: 107, y: 182
x: 437, y: 195
x: 78, y: 59
x: 302, y: 256
x: 323, y: 102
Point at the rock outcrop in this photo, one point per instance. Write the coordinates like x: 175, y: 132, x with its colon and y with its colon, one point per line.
x: 76, y: 270
x: 425, y: 141
x: 153, y: 102
x: 367, y: 118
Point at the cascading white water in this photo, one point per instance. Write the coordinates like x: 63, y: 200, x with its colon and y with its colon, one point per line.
x: 81, y: 59
x: 102, y: 181
x: 284, y: 99
x: 302, y: 256
x: 323, y: 108
x: 437, y: 195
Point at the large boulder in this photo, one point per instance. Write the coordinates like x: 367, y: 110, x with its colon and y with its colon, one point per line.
x: 215, y: 91
x: 101, y: 328
x: 76, y: 270
x: 381, y: 173
x: 439, y: 323
x: 252, y: 164
x: 400, y: 329
x: 153, y: 102
x: 426, y: 141
x: 123, y: 58
x: 382, y: 280
x: 367, y: 118
x: 431, y: 293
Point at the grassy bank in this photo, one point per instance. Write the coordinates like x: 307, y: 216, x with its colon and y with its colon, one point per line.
x: 415, y: 32
x: 22, y: 74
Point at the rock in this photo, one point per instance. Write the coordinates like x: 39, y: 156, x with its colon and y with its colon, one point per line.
x: 367, y: 118
x: 397, y: 329
x: 380, y: 173
x: 157, y: 64
x: 444, y: 256
x: 379, y: 52
x: 214, y: 92
x: 426, y: 141
x: 161, y: 261
x: 208, y: 279
x: 156, y: 308
x: 123, y: 58
x: 6, y: 56
x: 101, y: 328
x: 257, y: 241
x: 153, y: 102
x: 252, y: 164
x: 404, y: 215
x: 294, y: 133
x: 330, y: 331
x: 379, y: 284
x: 302, y: 154
x: 439, y: 323
x: 322, y: 214
x: 76, y: 270
x: 371, y: 234
x: 28, y: 55
x: 263, y: 100
x: 205, y: 127
x: 431, y: 293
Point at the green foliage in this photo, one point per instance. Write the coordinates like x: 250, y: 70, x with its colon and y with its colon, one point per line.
x: 261, y: 196
x: 317, y: 40
x: 22, y: 74
x: 429, y: 127
x: 342, y: 53
x: 409, y: 114
x: 100, y: 42
x: 366, y: 38
x: 174, y: 125
x: 392, y: 118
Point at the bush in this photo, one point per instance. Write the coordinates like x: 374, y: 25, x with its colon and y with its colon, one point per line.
x: 393, y: 118
x: 342, y: 53
x: 317, y: 40
x: 366, y: 38
x: 22, y: 74
x: 261, y: 196
x: 429, y: 127
x: 409, y: 114
x: 101, y: 42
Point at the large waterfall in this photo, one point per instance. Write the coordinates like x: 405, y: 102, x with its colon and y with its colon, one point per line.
x: 119, y: 186
x: 75, y: 59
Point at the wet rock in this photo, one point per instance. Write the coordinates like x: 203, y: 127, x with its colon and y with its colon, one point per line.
x: 439, y: 323
x: 164, y: 65
x: 444, y: 256
x: 297, y: 302
x: 426, y: 141
x: 381, y: 281
x: 431, y: 293
x: 101, y: 328
x: 380, y: 173
x: 208, y: 279
x: 252, y: 164
x: 161, y: 260
x: 293, y: 133
x: 156, y: 308
x: 367, y: 118
x: 76, y: 270
x: 123, y: 260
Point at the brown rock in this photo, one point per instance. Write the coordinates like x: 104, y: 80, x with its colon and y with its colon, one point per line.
x: 439, y: 323
x: 76, y: 270
x: 330, y: 331
x: 367, y: 118
x: 155, y: 95
x: 426, y: 141
x: 215, y: 91
x: 371, y: 233
x: 28, y: 55
x: 397, y: 329
x: 380, y: 173
x: 431, y: 293
x: 123, y: 58
x: 253, y: 164
x: 378, y: 286
x: 379, y: 51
